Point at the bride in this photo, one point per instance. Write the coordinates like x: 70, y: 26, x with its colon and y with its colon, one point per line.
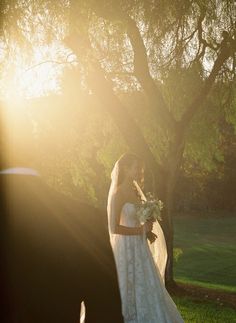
x: 140, y: 271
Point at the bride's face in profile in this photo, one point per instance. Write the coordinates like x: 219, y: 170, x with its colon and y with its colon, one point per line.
x: 134, y: 171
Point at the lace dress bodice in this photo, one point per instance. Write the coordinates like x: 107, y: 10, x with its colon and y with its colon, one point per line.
x: 128, y: 215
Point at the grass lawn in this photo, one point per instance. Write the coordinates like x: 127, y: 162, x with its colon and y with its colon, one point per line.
x: 208, y: 251
x: 204, y: 312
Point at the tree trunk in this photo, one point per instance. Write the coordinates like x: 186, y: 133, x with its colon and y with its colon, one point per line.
x: 168, y: 191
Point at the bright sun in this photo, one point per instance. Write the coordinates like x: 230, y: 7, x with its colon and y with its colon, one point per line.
x: 35, y: 76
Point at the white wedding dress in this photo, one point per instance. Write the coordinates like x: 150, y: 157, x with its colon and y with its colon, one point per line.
x: 143, y: 293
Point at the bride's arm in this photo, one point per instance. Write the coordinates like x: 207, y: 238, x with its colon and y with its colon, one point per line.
x: 124, y: 230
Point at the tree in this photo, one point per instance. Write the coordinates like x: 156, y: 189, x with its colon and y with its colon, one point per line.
x: 192, y: 37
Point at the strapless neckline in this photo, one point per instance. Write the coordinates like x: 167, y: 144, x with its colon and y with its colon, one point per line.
x: 126, y: 203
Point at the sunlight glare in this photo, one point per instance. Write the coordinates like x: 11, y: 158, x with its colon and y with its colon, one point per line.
x: 37, y: 76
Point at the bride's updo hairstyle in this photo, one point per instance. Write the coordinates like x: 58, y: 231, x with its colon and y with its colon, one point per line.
x: 125, y: 161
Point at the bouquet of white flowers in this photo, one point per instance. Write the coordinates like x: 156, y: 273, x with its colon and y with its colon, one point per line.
x: 150, y: 209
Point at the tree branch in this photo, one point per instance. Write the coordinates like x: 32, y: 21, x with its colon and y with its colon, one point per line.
x: 50, y: 61
x: 227, y: 48
x: 141, y: 70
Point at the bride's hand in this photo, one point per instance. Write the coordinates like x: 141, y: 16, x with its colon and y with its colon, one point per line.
x: 148, y: 226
